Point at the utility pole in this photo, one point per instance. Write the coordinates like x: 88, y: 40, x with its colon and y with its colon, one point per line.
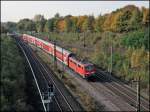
x: 138, y: 95
x: 138, y: 101
x: 55, y: 63
x: 62, y: 63
x: 84, y: 39
x: 111, y: 58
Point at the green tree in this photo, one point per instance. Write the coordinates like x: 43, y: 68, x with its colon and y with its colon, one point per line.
x: 137, y: 39
x: 49, y: 26
x: 68, y: 24
x: 88, y: 23
x: 99, y: 23
x: 38, y: 18
x: 26, y: 25
x: 40, y: 25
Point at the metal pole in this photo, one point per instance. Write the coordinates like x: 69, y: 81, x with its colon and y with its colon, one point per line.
x: 138, y: 95
x: 62, y: 63
x: 84, y: 39
x: 111, y: 59
x: 55, y: 63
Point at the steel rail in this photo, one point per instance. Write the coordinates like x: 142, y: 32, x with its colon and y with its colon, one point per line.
x: 130, y: 90
x: 33, y: 76
x: 121, y: 92
x: 46, y: 81
x: 53, y: 82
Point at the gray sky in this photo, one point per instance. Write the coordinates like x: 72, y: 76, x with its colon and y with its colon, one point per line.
x: 16, y: 10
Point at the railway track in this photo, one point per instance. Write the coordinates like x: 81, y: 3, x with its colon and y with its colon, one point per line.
x: 60, y: 99
x: 43, y: 83
x: 121, y: 90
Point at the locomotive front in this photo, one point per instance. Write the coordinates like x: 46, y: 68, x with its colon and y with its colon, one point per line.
x: 89, y: 70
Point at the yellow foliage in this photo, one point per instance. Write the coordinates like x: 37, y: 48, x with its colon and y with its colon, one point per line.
x: 138, y: 58
x: 61, y: 25
x: 80, y: 22
x: 145, y: 15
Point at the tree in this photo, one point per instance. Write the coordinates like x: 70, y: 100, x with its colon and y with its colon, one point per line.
x: 88, y: 23
x: 57, y: 16
x: 74, y: 23
x: 61, y: 25
x: 80, y: 22
x: 124, y: 19
x: 145, y: 12
x: 137, y: 39
x: 49, y: 26
x: 40, y: 23
x: 99, y: 23
x: 26, y: 25
x: 3, y: 29
x: 68, y: 24
x: 38, y: 18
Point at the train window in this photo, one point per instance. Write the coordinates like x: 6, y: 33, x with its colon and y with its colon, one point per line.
x: 79, y: 66
x: 74, y: 63
x: 89, y: 67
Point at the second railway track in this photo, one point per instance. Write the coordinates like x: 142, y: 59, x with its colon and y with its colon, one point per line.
x: 122, y: 91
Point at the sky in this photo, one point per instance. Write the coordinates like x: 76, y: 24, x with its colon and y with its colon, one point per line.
x: 16, y: 10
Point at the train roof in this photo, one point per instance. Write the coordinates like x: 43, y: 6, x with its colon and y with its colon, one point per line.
x: 52, y: 44
x: 73, y: 56
x: 80, y: 61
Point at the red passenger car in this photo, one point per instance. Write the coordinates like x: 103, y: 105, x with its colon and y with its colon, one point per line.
x: 84, y: 69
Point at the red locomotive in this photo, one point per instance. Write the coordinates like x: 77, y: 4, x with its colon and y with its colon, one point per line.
x: 84, y: 69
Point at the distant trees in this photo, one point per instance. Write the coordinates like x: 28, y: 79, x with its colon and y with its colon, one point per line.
x: 26, y: 25
x: 49, y: 26
x: 8, y: 27
x: 68, y: 24
x: 38, y: 18
x: 124, y: 19
x: 88, y: 24
x: 3, y: 29
x: 99, y: 23
x: 39, y: 22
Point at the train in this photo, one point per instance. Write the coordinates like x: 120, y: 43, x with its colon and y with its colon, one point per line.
x: 83, y: 68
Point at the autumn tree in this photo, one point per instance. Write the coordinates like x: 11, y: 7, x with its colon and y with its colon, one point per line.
x: 61, y: 25
x: 80, y: 22
x: 99, y: 23
x: 124, y: 19
x: 145, y: 19
x: 74, y: 23
x: 88, y: 23
x: 68, y: 24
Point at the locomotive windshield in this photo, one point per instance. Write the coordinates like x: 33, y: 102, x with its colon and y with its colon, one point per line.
x: 89, y: 67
